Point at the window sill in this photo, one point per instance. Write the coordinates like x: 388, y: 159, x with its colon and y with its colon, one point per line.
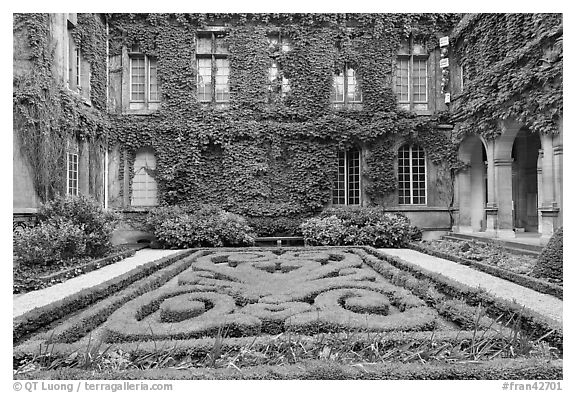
x: 143, y: 112
x: 352, y: 106
x: 215, y: 105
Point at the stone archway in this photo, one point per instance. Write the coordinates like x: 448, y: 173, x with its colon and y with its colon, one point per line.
x: 525, y: 155
x: 472, y: 185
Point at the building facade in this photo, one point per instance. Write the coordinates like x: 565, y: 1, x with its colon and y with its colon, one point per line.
x: 283, y: 115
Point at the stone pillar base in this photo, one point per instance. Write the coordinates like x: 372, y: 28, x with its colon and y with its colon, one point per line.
x: 548, y: 221
x: 505, y: 234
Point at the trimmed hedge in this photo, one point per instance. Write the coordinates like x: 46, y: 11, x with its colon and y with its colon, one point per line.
x: 203, y: 346
x: 507, y: 369
x: 39, y: 317
x: 130, y: 322
x: 530, y: 321
x: 550, y: 261
x: 536, y: 284
x: 209, y: 226
x: 359, y: 226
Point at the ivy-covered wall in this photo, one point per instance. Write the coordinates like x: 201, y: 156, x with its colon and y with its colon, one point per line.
x: 264, y: 154
x: 49, y: 119
x: 512, y: 70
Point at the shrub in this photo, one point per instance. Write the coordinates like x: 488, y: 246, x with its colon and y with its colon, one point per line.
x: 209, y: 226
x: 84, y: 211
x: 49, y: 242
x: 327, y: 231
x: 161, y: 214
x: 549, y: 264
x: 69, y: 227
x: 359, y: 226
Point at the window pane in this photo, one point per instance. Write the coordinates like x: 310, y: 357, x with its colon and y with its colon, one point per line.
x: 339, y: 190
x: 222, y: 87
x: 411, y: 175
x: 221, y: 44
x: 402, y: 82
x: 204, y: 82
x: 419, y: 80
x: 204, y: 44
x: 338, y: 88
x: 137, y: 78
x: 354, y: 94
x: 153, y: 77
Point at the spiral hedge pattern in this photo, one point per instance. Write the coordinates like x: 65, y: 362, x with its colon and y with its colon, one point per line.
x: 259, y: 292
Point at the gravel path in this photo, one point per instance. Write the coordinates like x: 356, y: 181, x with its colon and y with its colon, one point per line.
x: 543, y: 304
x: 28, y: 301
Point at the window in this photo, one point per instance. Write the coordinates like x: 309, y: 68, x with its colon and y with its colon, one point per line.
x: 412, y: 77
x: 144, y: 186
x: 77, y: 68
x: 143, y: 79
x: 345, y: 88
x: 346, y: 189
x: 74, y: 62
x: 411, y: 175
x: 278, y: 83
x: 72, y: 174
x: 213, y: 68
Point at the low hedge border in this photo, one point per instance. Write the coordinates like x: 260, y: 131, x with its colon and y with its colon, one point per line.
x: 87, y: 267
x: 202, y: 346
x: 529, y: 369
x: 536, y: 284
x: 454, y: 310
x: 76, y: 327
x: 37, y: 318
x: 530, y: 321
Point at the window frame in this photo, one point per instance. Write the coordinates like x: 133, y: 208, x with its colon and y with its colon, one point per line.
x: 412, y: 57
x: 410, y: 175
x: 345, y: 100
x: 214, y: 55
x: 148, y: 153
x: 72, y: 168
x: 147, y: 61
x: 347, y: 156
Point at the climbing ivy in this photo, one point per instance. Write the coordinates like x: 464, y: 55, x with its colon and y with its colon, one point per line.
x: 47, y: 116
x: 512, y: 70
x: 265, y: 154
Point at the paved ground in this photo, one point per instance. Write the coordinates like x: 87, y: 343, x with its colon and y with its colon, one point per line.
x: 544, y: 304
x: 42, y: 297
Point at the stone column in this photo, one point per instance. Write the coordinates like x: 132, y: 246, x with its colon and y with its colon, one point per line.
x: 549, y: 209
x: 540, y: 188
x: 503, y: 188
x: 558, y: 176
x: 464, y: 223
x: 491, y: 204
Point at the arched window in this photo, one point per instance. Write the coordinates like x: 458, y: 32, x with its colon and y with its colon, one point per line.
x: 144, y: 187
x: 346, y: 189
x: 411, y: 175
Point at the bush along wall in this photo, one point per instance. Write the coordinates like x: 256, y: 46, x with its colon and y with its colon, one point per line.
x: 266, y: 155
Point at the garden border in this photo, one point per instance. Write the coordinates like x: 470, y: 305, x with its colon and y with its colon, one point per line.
x: 530, y: 320
x: 523, y: 369
x: 39, y: 317
x: 89, y: 266
x: 536, y: 284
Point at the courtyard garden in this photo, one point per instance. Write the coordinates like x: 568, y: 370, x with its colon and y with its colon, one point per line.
x: 220, y: 308
x: 296, y: 313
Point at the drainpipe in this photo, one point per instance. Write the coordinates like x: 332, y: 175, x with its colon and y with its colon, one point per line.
x: 107, y: 87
